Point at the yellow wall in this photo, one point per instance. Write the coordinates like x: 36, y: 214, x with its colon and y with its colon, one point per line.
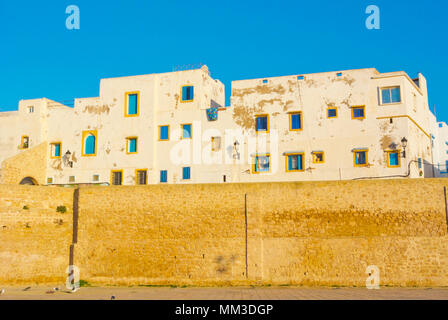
x: 311, y: 233
x: 34, y: 242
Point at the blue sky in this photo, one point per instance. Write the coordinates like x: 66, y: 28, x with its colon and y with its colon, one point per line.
x: 236, y: 39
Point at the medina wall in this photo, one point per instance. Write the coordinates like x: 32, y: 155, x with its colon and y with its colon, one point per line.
x: 301, y: 233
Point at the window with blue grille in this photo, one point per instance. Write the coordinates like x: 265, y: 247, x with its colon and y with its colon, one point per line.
x: 332, y: 113
x: 394, y: 159
x: 295, y: 162
x: 262, y: 164
x: 186, y: 131
x: 295, y: 121
x: 262, y: 123
x: 187, y: 93
x: 132, y: 104
x: 132, y: 145
x: 361, y: 158
x: 186, y: 171
x: 358, y: 112
x: 164, y: 133
x: 163, y: 176
x: 390, y: 95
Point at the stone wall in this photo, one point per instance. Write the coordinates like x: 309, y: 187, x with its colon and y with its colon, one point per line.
x: 312, y: 233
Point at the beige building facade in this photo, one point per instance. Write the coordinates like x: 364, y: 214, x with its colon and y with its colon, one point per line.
x: 175, y: 128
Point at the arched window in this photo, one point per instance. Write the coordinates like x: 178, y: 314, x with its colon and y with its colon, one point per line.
x: 89, y: 143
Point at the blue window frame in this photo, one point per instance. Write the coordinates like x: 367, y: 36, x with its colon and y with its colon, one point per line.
x: 56, y: 150
x: 332, y: 113
x: 90, y: 145
x: 164, y: 132
x: 295, y: 162
x: 187, y: 93
x: 295, y: 121
x: 390, y: 95
x: 394, y: 159
x: 132, y: 104
x: 262, y: 164
x: 262, y: 123
x: 163, y: 176
x: 186, y: 173
x: 186, y: 131
x: 360, y: 158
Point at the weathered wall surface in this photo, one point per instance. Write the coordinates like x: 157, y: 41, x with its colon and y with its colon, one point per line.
x: 29, y: 163
x: 34, y: 238
x: 322, y: 233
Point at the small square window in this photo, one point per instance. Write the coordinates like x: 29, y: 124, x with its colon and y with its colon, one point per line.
x: 132, y: 145
x: 96, y: 178
x: 358, y: 112
x: 332, y: 113
x: 339, y: 74
x: 265, y: 81
x: 360, y: 158
x: 71, y: 179
x: 186, y: 131
x: 186, y: 173
x: 49, y: 180
x: 390, y: 95
x: 31, y: 109
x: 117, y: 178
x: 261, y: 164
x: 318, y: 157
x: 295, y: 121
x: 393, y: 159
x: 163, y: 176
x: 164, y: 133
x: 262, y: 123
x: 294, y: 162
x: 187, y: 93
x: 300, y: 77
x: 141, y: 177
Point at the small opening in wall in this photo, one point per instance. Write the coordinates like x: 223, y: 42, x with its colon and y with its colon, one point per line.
x: 265, y: 81
x: 391, y: 120
x: 300, y: 77
x: 224, y: 178
x: 339, y: 74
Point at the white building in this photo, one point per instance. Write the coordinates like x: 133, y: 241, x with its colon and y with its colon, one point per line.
x: 173, y: 128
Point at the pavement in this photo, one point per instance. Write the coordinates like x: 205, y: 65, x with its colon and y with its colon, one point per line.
x: 229, y: 293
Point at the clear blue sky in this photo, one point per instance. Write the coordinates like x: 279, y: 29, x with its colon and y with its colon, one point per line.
x: 236, y: 39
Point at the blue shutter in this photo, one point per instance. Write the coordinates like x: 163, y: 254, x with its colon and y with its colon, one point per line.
x: 163, y: 176
x: 184, y: 93
x: 396, y: 95
x: 164, y: 133
x: 191, y: 93
x: 57, y: 150
x: 186, y: 132
x: 186, y: 173
x: 385, y: 95
x: 295, y: 121
x: 290, y: 166
x: 90, y: 145
x: 393, y: 159
x: 133, y: 145
x: 132, y: 104
x: 299, y: 162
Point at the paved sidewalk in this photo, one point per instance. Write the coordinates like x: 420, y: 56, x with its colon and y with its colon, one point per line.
x: 232, y: 293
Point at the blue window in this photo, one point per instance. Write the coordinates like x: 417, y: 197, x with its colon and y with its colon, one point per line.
x: 332, y: 113
x: 295, y: 162
x: 187, y: 93
x: 360, y: 158
x: 295, y: 121
x: 56, y: 150
x: 261, y: 164
x: 163, y: 176
x: 262, y: 123
x: 164, y: 132
x: 132, y: 102
x: 132, y: 145
x: 265, y: 81
x: 358, y: 113
x: 186, y: 131
x: 390, y: 95
x: 300, y: 77
x: 419, y: 163
x: 186, y: 173
x: 90, y: 145
x: 339, y: 74
x: 394, y: 159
